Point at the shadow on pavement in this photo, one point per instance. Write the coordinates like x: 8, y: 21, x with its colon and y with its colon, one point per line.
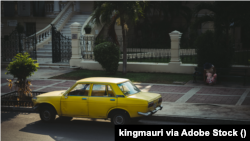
x: 8, y: 115
x: 76, y: 129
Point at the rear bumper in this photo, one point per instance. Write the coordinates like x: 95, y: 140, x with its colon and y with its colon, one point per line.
x: 152, y: 112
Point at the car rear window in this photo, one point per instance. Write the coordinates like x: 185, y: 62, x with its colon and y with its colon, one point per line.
x: 128, y: 88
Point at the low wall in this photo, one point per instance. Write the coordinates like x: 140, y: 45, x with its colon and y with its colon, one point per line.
x: 143, y: 67
x: 174, y: 66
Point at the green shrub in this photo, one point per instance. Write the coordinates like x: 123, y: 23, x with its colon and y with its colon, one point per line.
x: 216, y: 51
x: 22, y: 67
x: 107, y: 54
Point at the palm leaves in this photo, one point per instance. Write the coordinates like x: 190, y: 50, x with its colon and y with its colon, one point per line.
x: 109, y: 12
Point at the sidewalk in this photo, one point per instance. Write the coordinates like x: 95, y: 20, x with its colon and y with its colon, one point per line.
x: 224, y: 103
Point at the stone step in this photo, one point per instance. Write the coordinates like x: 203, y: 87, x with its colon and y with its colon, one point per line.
x: 79, y: 21
x: 80, y: 16
x: 39, y: 55
x: 44, y: 55
x: 66, y: 29
x: 47, y: 46
x: 44, y: 51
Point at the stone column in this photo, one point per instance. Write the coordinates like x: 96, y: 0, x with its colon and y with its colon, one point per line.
x: 56, y: 7
x: 75, y: 35
x: 1, y: 36
x: 175, y: 65
x: 175, y: 37
x: 77, y: 6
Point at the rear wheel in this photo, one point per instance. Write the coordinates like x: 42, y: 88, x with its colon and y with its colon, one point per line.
x: 120, y: 118
x: 47, y: 114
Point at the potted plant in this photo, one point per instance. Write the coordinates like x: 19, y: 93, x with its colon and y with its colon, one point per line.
x: 87, y: 29
x: 22, y: 67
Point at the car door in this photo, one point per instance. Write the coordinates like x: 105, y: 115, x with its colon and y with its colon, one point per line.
x: 75, y: 103
x: 101, y: 100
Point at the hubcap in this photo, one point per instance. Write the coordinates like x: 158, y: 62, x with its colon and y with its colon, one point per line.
x: 46, y: 115
x: 119, y: 120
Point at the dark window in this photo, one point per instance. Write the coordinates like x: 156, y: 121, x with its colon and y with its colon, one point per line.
x: 9, y: 8
x: 39, y: 8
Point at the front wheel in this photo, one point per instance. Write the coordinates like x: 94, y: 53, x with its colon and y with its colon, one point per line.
x: 120, y: 118
x: 47, y: 114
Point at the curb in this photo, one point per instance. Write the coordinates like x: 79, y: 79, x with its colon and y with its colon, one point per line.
x: 197, y: 120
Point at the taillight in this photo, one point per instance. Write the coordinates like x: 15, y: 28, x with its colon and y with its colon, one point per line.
x: 160, y: 100
x: 150, y: 104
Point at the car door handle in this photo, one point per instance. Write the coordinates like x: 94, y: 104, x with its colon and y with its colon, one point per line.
x: 84, y: 98
x: 112, y: 99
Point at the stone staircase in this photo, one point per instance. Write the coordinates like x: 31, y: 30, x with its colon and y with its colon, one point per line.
x: 44, y: 55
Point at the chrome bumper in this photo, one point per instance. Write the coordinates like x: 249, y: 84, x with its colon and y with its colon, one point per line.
x: 152, y: 112
x: 35, y: 108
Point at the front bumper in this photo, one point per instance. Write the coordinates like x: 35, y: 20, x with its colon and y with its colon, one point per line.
x: 35, y: 108
x: 152, y: 112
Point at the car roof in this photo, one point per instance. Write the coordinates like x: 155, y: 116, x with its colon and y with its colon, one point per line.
x: 103, y: 80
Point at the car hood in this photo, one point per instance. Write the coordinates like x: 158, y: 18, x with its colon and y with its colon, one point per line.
x: 145, y: 96
x: 53, y: 93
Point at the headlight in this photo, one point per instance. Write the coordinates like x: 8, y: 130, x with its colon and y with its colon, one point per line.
x: 150, y: 104
x: 34, y: 98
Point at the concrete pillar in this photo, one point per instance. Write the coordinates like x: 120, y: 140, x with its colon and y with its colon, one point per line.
x: 56, y: 7
x: 175, y: 37
x: 77, y: 6
x: 175, y: 65
x: 1, y: 29
x: 76, y: 56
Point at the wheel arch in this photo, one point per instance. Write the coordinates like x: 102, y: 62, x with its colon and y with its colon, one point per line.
x: 112, y: 111
x: 41, y: 105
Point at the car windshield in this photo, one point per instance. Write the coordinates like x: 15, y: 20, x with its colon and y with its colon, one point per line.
x: 128, y: 88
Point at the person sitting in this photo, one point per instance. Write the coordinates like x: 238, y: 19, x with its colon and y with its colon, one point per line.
x: 210, y: 73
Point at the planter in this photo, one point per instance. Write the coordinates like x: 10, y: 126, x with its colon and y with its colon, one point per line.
x: 87, y: 30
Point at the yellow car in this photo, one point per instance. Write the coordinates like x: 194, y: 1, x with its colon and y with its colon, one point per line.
x: 98, y: 97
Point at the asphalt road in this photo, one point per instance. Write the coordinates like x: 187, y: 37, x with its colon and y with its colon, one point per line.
x: 21, y: 126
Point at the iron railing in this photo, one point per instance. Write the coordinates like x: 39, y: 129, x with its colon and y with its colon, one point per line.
x: 135, y: 52
x: 241, y: 55
x: 10, y: 100
x: 17, y: 43
x: 61, y: 46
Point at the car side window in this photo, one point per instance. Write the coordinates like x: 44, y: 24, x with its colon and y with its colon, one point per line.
x: 102, y: 90
x: 80, y: 90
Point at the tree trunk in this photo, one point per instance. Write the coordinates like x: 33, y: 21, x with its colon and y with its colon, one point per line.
x: 124, y: 71
x: 111, y: 30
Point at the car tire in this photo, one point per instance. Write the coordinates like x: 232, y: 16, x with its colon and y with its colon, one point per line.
x: 62, y: 118
x: 120, y: 118
x: 47, y: 114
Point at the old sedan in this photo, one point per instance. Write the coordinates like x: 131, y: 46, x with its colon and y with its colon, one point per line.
x: 98, y: 97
